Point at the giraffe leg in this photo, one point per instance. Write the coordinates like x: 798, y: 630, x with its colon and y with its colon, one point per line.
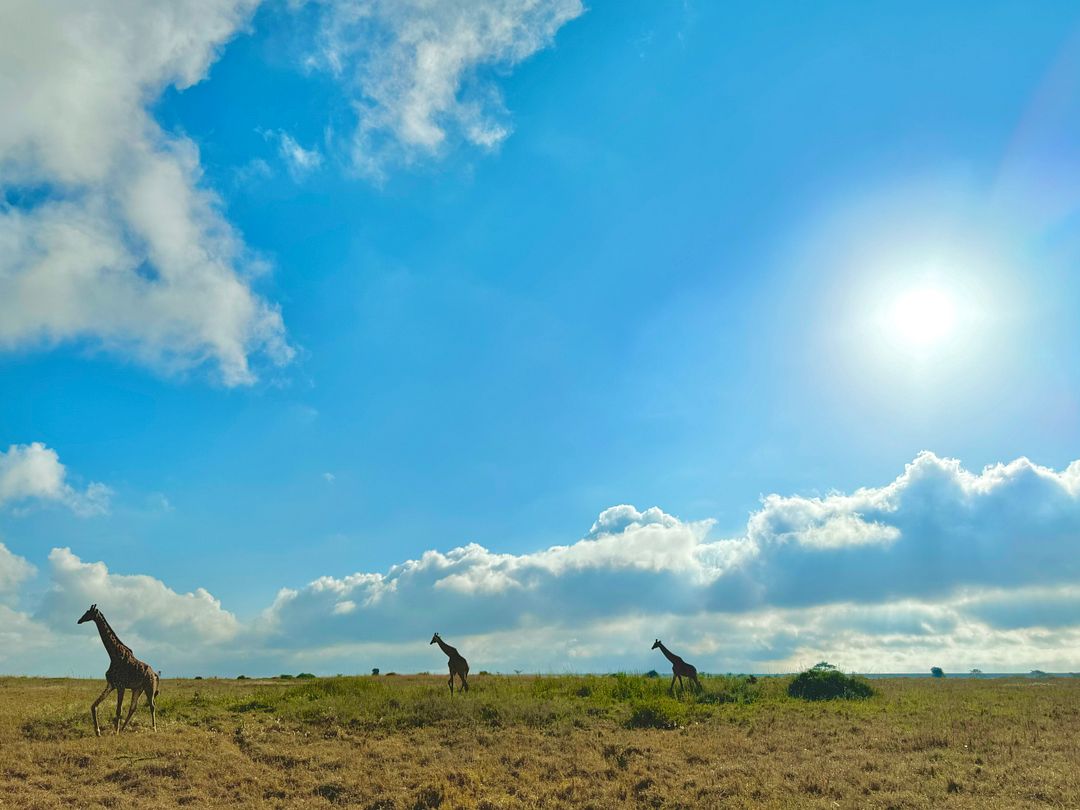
x: 671, y: 688
x: 131, y: 708
x: 119, y: 704
x: 464, y: 681
x: 94, y: 705
x: 153, y: 709
x: 451, y: 681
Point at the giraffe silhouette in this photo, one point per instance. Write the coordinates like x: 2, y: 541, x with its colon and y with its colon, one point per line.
x: 125, y: 672
x: 458, y: 665
x: 679, y: 668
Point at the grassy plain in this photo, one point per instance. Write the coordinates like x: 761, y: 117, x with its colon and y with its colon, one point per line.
x: 545, y: 742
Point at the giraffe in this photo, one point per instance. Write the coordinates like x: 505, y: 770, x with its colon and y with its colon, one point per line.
x: 458, y: 665
x: 679, y: 668
x: 125, y: 672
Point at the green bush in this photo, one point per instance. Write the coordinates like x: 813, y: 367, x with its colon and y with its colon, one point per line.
x: 656, y: 713
x: 828, y: 684
x: 305, y: 675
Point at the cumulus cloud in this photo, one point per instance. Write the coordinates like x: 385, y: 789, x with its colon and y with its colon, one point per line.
x: 141, y: 605
x: 13, y: 571
x: 630, y: 561
x: 107, y: 232
x: 416, y: 67
x: 34, y: 472
x: 934, y: 528
x: 961, y: 569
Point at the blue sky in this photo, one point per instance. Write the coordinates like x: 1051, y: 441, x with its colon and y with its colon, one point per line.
x: 325, y: 325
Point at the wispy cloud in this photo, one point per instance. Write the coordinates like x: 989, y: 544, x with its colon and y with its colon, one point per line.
x: 300, y: 161
x: 416, y: 69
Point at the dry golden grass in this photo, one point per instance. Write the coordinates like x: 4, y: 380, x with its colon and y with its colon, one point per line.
x: 564, y: 742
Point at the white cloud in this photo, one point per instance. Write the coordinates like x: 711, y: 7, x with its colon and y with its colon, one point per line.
x: 968, y: 570
x: 140, y: 605
x: 34, y: 472
x: 933, y: 529
x: 937, y: 533
x: 171, y: 631
x: 300, y: 161
x: 14, y: 570
x: 112, y: 237
x: 417, y: 67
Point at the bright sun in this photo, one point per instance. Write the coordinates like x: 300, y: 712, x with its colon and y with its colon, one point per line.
x: 922, y: 317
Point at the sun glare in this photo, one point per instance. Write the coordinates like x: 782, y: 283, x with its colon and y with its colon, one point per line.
x: 922, y: 317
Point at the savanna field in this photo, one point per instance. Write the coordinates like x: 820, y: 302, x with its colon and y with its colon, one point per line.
x: 554, y: 742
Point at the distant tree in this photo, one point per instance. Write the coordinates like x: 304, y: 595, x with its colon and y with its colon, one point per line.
x: 823, y: 666
x: 305, y: 675
x: 937, y: 672
x: 652, y: 673
x: 976, y: 671
x: 517, y: 671
x: 374, y: 670
x: 198, y: 677
x: 1037, y: 673
x: 241, y: 677
x: 285, y: 677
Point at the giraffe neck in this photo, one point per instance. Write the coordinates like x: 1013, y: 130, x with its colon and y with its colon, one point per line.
x: 446, y: 648
x: 668, y: 654
x: 117, y: 650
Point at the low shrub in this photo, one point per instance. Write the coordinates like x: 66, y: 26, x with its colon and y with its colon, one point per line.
x: 305, y: 675
x: 656, y: 713
x: 828, y: 684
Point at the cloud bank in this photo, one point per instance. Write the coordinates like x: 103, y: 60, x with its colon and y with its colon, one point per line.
x: 941, y: 566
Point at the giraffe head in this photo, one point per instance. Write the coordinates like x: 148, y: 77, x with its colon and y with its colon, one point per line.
x: 434, y: 639
x: 90, y: 615
x: 656, y: 644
